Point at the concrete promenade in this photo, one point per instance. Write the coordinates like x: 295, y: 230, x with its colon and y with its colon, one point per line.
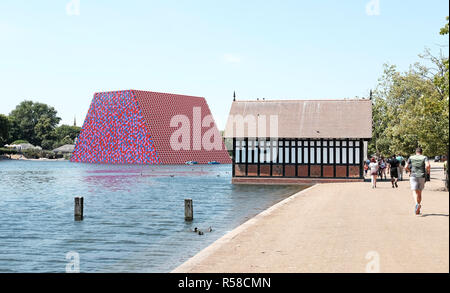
x: 339, y: 228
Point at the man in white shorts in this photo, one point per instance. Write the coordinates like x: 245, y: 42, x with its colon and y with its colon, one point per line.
x: 419, y: 166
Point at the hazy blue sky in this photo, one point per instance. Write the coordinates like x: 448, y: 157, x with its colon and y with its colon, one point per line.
x: 271, y: 49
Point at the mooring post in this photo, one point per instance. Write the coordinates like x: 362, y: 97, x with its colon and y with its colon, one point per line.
x: 188, y: 210
x: 78, y: 208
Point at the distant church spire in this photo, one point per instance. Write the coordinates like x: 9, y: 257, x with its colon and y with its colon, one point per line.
x: 234, y: 95
x: 74, y: 120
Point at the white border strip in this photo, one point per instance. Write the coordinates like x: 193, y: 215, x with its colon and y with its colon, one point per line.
x: 203, y: 254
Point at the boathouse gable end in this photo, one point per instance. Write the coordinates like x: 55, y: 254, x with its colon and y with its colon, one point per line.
x: 299, y: 141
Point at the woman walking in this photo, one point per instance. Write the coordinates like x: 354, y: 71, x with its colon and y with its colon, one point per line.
x: 373, y: 166
x: 382, y: 168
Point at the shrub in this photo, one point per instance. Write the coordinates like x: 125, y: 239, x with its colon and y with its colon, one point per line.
x: 48, y: 154
x: 31, y: 153
x: 37, y: 154
x: 7, y: 151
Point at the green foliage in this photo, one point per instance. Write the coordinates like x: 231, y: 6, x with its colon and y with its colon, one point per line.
x: 38, y: 154
x: 5, y: 126
x: 47, y: 144
x: 19, y: 141
x: 444, y: 30
x: 411, y: 109
x: 31, y: 153
x: 7, y: 151
x: 44, y: 129
x: 65, y: 134
x: 33, y: 122
x: 37, y: 123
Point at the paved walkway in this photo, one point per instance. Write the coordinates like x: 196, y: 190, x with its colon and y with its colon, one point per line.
x: 339, y: 227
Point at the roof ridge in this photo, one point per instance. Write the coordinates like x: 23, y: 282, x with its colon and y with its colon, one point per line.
x: 145, y: 91
x: 307, y: 100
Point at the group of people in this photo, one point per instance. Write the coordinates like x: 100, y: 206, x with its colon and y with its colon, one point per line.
x: 377, y: 168
x: 417, y: 165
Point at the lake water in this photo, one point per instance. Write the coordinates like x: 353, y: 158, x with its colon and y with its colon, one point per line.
x: 134, y: 215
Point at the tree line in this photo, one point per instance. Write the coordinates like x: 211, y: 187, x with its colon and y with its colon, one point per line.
x: 411, y: 109
x: 36, y: 123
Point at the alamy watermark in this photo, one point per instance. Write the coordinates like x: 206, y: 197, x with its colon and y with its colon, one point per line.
x: 373, y: 7
x: 73, y: 8
x: 189, y: 135
x: 73, y: 265
x: 373, y: 266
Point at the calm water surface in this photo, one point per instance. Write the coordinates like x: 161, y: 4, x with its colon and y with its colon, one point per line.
x: 134, y: 215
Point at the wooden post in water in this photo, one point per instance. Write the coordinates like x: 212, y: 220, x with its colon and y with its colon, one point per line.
x: 78, y: 208
x: 188, y: 210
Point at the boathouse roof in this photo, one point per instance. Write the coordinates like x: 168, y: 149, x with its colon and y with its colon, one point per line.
x: 314, y: 119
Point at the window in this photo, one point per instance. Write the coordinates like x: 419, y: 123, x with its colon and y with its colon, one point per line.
x: 244, y: 152
x: 357, y: 154
x: 256, y: 152
x: 325, y: 152
x: 250, y: 151
x: 305, y: 152
x: 262, y: 157
x: 318, y: 152
x: 267, y: 151
x: 344, y: 152
x: 286, y: 152
x: 350, y: 155
x: 331, y: 152
x: 351, y: 152
x: 299, y: 152
x: 274, y: 152
x: 338, y: 152
x: 238, y: 152
x: 312, y: 153
x: 280, y: 154
x: 293, y: 152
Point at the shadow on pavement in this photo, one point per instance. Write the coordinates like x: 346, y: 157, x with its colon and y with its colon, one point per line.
x: 435, y: 215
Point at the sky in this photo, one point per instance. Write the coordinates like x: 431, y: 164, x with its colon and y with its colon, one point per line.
x: 61, y: 52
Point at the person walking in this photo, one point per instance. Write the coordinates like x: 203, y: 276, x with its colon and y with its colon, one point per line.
x: 418, y: 166
x: 382, y: 168
x: 401, y: 165
x: 366, y: 167
x: 373, y: 167
x: 393, y: 164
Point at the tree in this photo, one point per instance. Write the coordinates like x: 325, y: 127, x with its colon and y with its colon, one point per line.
x: 444, y: 30
x: 33, y: 121
x: 67, y: 131
x: 4, y: 129
x: 66, y: 134
x: 410, y: 109
x: 44, y: 128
